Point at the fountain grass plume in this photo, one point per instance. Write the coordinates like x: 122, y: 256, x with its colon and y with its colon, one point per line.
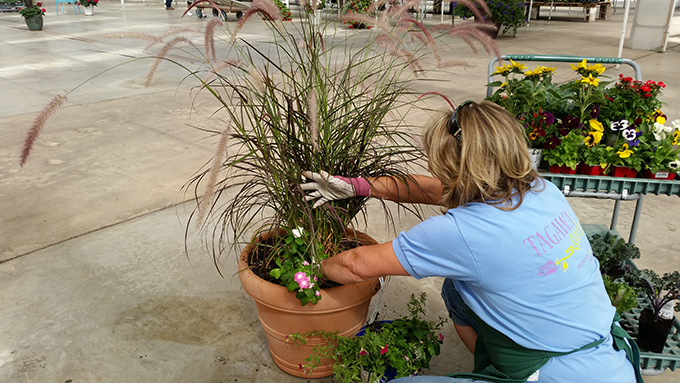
x: 206, y: 201
x: 161, y: 56
x: 209, y: 40
x: 39, y: 124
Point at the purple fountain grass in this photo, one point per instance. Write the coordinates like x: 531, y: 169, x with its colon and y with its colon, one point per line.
x: 425, y: 37
x: 469, y: 31
x: 313, y: 120
x: 161, y: 55
x: 209, y: 37
x: 393, y: 48
x: 39, y: 124
x: 153, y: 40
x: 267, y: 8
x: 205, y: 201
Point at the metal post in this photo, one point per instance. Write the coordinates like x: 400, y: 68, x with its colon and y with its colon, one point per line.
x: 615, y: 214
x: 636, y: 220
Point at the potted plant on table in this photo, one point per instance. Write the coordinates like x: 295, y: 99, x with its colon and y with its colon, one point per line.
x: 307, y: 99
x: 657, y: 319
x: 89, y: 6
x: 382, y: 350
x: 505, y: 14
x: 33, y: 15
x: 660, y: 149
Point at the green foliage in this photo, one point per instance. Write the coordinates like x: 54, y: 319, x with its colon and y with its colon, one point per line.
x: 405, y: 345
x: 567, y: 153
x: 89, y: 3
x: 622, y: 295
x: 630, y: 99
x: 612, y: 253
x: 294, y: 271
x: 30, y: 9
x: 509, y: 13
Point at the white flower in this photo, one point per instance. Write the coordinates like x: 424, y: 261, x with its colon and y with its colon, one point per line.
x: 675, y: 124
x: 619, y: 125
x: 675, y: 165
x: 661, y: 131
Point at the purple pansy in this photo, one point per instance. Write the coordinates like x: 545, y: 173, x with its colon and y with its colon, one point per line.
x: 595, y: 112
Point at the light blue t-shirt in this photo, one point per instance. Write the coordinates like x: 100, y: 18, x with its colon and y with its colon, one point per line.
x: 530, y: 274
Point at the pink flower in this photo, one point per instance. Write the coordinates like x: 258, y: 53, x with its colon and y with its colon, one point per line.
x: 383, y: 350
x: 305, y: 263
x: 43, y: 10
x: 300, y: 276
x: 441, y: 337
x: 318, y: 293
x: 300, y: 366
x: 406, y: 358
x: 304, y: 283
x: 363, y: 352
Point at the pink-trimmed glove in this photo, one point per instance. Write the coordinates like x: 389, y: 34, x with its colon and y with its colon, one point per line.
x: 330, y: 188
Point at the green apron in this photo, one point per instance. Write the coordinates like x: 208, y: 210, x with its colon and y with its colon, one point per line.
x: 499, y: 359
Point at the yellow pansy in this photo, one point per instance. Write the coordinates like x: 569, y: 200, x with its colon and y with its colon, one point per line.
x: 581, y: 65
x: 519, y: 66
x: 624, y: 152
x: 590, y: 80
x: 596, y: 125
x: 676, y: 137
x: 592, y: 139
x: 661, y: 119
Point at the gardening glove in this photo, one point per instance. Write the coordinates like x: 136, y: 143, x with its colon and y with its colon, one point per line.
x: 330, y: 188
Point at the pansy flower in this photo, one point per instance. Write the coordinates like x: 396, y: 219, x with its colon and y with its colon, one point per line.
x: 595, y: 112
x: 675, y: 165
x: 629, y: 134
x: 592, y: 139
x: 596, y: 125
x: 618, y: 125
x: 624, y: 152
x: 552, y: 143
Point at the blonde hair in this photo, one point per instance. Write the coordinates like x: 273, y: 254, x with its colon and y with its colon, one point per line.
x: 490, y: 163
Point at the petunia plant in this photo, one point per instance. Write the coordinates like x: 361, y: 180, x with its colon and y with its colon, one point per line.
x: 660, y: 148
x: 398, y: 348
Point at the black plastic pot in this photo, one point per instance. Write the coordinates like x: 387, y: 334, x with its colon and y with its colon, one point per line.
x: 652, y: 334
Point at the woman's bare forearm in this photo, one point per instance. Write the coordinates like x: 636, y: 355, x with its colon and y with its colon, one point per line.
x: 414, y: 189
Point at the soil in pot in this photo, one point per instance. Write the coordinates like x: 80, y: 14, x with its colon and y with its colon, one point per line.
x: 652, y: 335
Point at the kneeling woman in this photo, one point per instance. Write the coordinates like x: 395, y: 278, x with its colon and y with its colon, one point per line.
x: 522, y: 285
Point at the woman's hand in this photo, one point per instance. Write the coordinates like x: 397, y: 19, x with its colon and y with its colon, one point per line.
x: 330, y: 188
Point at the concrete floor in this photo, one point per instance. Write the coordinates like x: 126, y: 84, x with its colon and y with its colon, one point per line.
x: 94, y: 280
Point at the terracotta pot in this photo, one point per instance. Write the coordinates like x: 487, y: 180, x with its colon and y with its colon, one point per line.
x: 343, y: 309
x: 622, y: 171
x: 557, y: 169
x: 659, y: 175
x: 652, y: 335
x: 589, y: 170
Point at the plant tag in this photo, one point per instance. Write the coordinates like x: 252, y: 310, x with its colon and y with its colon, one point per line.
x: 533, y: 377
x: 661, y: 175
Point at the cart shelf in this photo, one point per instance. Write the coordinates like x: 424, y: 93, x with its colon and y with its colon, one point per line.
x: 583, y: 183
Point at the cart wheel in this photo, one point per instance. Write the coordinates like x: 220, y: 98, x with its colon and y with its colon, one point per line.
x: 199, y: 13
x: 239, y: 14
x: 224, y: 15
x: 215, y: 12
